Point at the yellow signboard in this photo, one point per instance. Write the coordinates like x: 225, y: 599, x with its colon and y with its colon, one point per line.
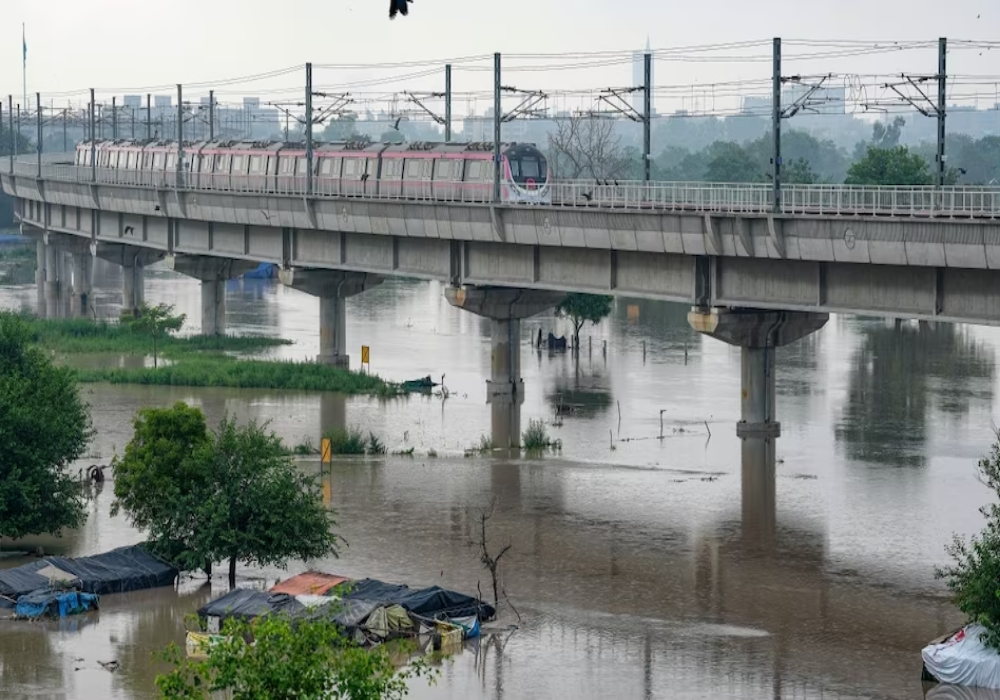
x: 325, y: 450
x: 365, y: 354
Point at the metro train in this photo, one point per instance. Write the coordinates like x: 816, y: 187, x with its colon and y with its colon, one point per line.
x: 424, y: 170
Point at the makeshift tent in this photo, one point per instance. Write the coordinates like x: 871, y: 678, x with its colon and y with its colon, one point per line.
x: 247, y: 604
x: 118, y: 571
x: 388, y: 619
x: 469, y: 625
x: 374, y: 590
x: 436, y: 601
x: 54, y: 603
x: 963, y: 659
x: 309, y: 583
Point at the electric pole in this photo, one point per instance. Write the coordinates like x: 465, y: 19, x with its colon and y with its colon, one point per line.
x: 942, y: 78
x: 447, y: 103
x: 647, y: 114
x: 309, y: 128
x: 776, y: 129
x: 497, y: 118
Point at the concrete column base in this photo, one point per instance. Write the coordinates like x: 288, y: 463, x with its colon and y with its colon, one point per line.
x: 133, y: 261
x: 332, y: 287
x: 213, y: 273
x: 505, y: 308
x: 758, y: 333
x: 83, y: 284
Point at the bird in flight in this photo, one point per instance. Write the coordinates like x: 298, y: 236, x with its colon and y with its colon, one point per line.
x: 398, y: 6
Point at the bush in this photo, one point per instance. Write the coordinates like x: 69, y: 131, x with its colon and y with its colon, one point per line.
x: 974, y: 577
x: 351, y: 441
x: 536, y: 438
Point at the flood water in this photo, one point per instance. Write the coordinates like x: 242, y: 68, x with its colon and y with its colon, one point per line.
x: 641, y: 567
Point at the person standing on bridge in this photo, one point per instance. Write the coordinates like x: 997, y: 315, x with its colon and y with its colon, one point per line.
x: 398, y: 6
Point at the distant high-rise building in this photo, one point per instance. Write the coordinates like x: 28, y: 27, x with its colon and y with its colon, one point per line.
x: 132, y: 101
x: 639, y: 76
x: 162, y: 100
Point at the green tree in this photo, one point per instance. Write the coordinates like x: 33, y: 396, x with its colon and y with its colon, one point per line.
x: 44, y: 425
x: 391, y: 136
x: 889, y: 166
x: 798, y: 172
x: 155, y: 321
x: 24, y: 144
x: 730, y: 162
x: 160, y: 480
x: 233, y: 495
x: 974, y: 576
x: 260, y: 510
x: 288, y: 660
x: 580, y: 308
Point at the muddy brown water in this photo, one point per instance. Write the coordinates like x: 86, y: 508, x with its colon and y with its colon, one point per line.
x: 659, y: 569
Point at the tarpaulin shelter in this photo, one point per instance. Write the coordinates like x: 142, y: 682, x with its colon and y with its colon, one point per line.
x: 54, y: 603
x: 247, y: 605
x: 121, y: 570
x: 309, y: 583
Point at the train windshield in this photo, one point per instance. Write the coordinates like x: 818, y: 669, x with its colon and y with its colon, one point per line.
x: 528, y: 168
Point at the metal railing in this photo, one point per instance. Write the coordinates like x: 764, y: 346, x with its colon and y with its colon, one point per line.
x: 738, y: 198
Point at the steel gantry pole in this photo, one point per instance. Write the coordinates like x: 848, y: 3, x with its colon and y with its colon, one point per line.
x: 40, y: 128
x: 180, y: 136
x: 93, y: 141
x: 447, y: 103
x: 776, y: 128
x: 497, y: 120
x: 647, y: 113
x: 309, y: 128
x: 13, y: 136
x: 114, y: 118
x: 211, y: 115
x: 149, y: 116
x: 942, y: 80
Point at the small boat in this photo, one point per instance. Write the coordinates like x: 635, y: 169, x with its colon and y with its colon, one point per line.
x: 423, y: 384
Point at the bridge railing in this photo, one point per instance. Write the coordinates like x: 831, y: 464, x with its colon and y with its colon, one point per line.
x: 746, y: 198
x: 852, y: 200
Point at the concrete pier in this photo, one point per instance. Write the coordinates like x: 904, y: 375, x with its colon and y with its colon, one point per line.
x: 505, y: 389
x: 758, y: 334
x: 83, y: 284
x: 134, y: 261
x: 213, y: 272
x: 333, y: 287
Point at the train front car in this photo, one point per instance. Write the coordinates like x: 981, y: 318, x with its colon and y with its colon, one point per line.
x: 526, y: 175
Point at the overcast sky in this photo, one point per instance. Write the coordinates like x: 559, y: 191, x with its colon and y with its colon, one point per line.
x: 118, y: 44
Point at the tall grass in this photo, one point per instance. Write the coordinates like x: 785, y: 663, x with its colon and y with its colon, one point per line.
x: 352, y: 441
x: 221, y: 370
x: 536, y: 438
x: 81, y: 335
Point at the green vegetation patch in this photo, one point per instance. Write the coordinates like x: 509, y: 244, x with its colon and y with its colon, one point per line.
x: 221, y: 370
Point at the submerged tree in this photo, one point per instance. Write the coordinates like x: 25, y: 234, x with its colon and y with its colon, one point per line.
x: 302, y: 659
x: 580, y: 308
x: 974, y: 576
x: 889, y: 166
x: 44, y: 425
x: 233, y: 495
x: 155, y: 321
x: 160, y: 480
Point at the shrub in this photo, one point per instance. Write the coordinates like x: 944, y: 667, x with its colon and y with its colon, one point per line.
x: 974, y: 576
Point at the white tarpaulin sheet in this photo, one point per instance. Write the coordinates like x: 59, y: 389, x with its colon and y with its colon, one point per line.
x: 963, y: 659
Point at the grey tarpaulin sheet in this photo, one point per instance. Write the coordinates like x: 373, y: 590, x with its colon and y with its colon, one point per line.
x: 121, y: 570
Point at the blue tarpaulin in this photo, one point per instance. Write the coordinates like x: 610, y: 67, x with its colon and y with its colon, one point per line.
x: 50, y: 603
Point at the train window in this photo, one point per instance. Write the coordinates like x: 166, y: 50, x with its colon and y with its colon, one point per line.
x: 131, y: 160
x: 221, y: 164
x: 287, y: 165
x: 237, y: 164
x: 412, y: 169
x: 157, y: 161
x: 302, y: 166
x: 207, y: 162
x: 171, y: 161
x: 350, y: 166
x: 255, y: 164
x: 324, y: 166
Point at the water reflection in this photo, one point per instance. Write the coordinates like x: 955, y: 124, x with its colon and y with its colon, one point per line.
x: 896, y: 376
x: 660, y: 568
